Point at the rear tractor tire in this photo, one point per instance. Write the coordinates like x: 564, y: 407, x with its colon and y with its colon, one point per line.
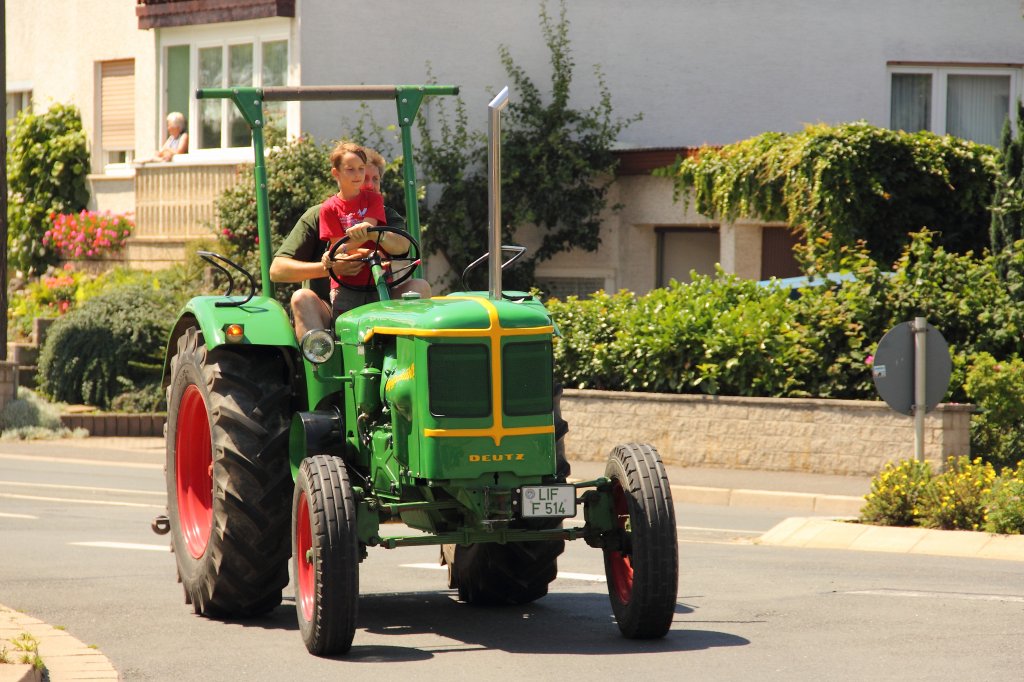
x: 492, y: 574
x: 228, y: 481
x: 643, y: 573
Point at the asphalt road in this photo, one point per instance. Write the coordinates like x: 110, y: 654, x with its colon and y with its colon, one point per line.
x: 76, y: 551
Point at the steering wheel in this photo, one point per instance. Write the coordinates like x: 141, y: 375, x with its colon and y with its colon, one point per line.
x: 396, y: 276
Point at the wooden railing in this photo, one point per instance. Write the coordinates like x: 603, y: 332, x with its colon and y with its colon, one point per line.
x: 174, y: 204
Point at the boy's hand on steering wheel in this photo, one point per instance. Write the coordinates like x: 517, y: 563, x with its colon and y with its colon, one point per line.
x: 358, y: 232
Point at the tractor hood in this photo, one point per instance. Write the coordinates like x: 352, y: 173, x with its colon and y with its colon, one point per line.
x: 471, y: 313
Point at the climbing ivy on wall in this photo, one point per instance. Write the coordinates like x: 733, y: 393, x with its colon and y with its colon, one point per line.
x: 842, y: 184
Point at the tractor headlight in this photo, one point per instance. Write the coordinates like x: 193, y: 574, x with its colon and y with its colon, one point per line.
x: 317, y: 346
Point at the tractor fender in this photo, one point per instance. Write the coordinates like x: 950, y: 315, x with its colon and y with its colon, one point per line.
x: 263, y: 320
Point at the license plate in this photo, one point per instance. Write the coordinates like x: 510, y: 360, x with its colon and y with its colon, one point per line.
x: 548, y: 501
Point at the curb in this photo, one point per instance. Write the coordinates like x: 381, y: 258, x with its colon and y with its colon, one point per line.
x: 823, y: 533
x: 838, y: 505
x: 64, y: 657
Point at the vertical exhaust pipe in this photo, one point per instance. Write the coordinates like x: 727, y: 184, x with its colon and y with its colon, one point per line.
x: 494, y: 198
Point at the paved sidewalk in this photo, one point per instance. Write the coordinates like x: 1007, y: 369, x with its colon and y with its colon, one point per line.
x: 829, y: 497
x: 827, y: 533
x: 800, y: 492
x: 65, y: 657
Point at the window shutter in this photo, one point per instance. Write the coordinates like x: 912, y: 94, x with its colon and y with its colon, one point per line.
x: 117, y: 104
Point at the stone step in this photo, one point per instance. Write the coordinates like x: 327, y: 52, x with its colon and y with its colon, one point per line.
x: 27, y: 376
x: 22, y: 354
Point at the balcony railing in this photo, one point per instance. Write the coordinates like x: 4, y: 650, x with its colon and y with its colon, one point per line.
x: 174, y: 204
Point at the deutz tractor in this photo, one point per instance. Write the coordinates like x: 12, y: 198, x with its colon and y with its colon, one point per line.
x: 437, y: 414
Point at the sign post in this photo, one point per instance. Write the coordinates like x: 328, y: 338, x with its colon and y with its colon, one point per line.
x: 920, y: 384
x: 911, y: 371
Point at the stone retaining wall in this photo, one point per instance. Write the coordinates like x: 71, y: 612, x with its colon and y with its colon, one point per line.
x: 850, y: 437
x: 114, y: 424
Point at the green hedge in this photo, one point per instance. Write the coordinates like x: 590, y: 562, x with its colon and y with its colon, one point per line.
x: 107, y: 346
x: 724, y: 335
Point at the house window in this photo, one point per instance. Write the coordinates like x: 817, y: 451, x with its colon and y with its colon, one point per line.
x: 117, y: 111
x: 216, y: 123
x: 17, y: 101
x: 682, y: 249
x: 972, y: 103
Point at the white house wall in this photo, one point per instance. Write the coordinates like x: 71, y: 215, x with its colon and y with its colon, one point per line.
x: 54, y: 46
x: 700, y: 71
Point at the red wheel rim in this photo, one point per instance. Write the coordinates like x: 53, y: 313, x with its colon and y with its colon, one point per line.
x: 621, y: 565
x: 304, y: 557
x: 193, y: 471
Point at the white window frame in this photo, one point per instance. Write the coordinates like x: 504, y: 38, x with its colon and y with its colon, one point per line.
x: 22, y: 90
x: 254, y: 32
x: 940, y: 74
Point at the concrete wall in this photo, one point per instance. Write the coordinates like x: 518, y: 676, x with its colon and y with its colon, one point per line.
x: 851, y: 437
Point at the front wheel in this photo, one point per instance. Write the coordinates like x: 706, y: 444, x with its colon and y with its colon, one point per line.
x: 642, y: 566
x: 325, y: 555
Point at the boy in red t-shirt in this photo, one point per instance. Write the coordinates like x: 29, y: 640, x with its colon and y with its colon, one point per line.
x: 352, y: 211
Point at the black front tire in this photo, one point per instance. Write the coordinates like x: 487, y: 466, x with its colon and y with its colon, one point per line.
x: 643, y: 572
x: 228, y: 480
x: 325, y: 556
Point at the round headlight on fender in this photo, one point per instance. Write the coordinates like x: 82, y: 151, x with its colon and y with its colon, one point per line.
x: 317, y: 346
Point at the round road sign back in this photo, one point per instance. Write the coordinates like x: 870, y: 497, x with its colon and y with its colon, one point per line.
x: 893, y: 368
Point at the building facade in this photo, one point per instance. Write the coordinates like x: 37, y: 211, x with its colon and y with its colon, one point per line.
x: 699, y: 73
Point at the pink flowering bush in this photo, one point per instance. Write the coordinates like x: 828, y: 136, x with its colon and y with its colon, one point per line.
x: 88, y: 234
x: 51, y: 295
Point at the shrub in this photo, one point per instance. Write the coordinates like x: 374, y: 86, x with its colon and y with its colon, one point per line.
x: 88, y: 234
x: 48, y: 160
x: 1005, y: 503
x: 148, y: 397
x: 897, y: 493
x: 29, y: 416
x: 52, y: 295
x: 996, y: 388
x: 298, y: 176
x: 956, y: 499
x: 109, y: 345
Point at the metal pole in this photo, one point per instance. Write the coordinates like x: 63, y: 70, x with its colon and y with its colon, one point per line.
x: 3, y: 187
x: 494, y: 199
x: 920, y: 396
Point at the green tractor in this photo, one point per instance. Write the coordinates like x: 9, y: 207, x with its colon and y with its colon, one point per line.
x: 438, y: 414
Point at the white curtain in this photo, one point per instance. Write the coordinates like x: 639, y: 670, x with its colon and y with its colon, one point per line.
x: 977, y: 106
x: 911, y: 108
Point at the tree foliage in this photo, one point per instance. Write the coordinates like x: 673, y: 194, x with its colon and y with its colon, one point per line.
x: 1007, y: 224
x: 557, y: 165
x: 852, y: 182
x: 48, y: 161
x: 298, y: 177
